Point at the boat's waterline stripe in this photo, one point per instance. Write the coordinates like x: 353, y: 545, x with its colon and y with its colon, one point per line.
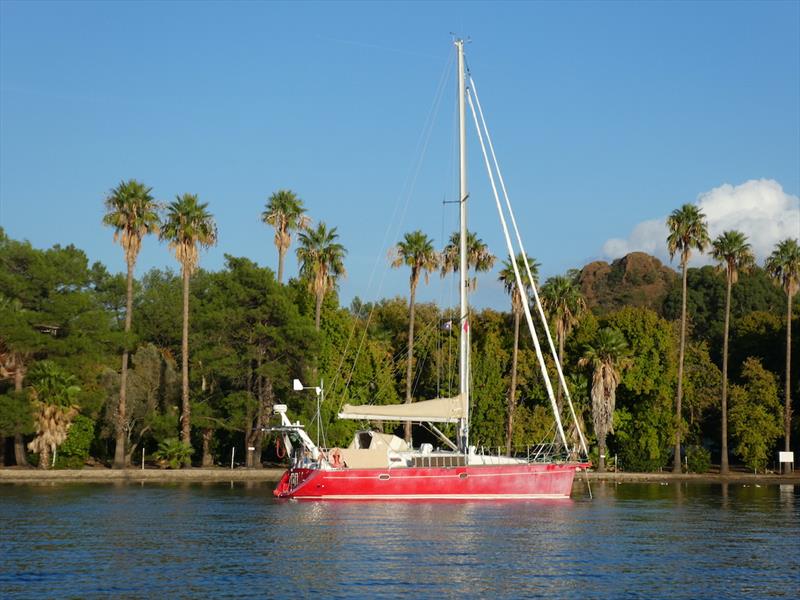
x: 433, y: 497
x: 393, y: 476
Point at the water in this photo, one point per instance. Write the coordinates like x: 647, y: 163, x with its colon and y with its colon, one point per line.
x: 222, y: 540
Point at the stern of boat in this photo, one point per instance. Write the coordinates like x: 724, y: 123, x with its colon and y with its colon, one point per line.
x: 291, y: 480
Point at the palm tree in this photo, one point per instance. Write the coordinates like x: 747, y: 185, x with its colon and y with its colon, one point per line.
x: 53, y: 393
x: 415, y: 251
x: 509, y: 280
x: 687, y: 231
x: 188, y: 226
x: 562, y: 299
x: 285, y: 212
x: 607, y: 357
x: 783, y: 265
x: 478, y: 256
x: 321, y: 262
x: 133, y: 213
x: 733, y: 253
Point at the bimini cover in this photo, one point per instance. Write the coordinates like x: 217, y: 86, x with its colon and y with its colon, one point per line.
x: 438, y: 410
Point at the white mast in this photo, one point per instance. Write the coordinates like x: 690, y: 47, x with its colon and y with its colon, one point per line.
x: 463, y: 365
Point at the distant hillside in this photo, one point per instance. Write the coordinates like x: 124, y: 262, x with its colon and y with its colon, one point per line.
x: 637, y: 279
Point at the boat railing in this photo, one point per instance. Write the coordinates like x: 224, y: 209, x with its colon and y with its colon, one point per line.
x: 543, y: 452
x: 532, y: 453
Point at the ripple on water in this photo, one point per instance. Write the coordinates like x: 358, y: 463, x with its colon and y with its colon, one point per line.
x: 632, y: 541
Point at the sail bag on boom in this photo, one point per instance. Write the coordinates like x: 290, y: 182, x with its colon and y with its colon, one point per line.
x: 438, y: 410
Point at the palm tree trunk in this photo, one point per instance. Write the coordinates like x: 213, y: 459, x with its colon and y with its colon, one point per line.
x: 676, y: 466
x: 561, y: 335
x: 44, y: 457
x: 208, y: 460
x: 410, y: 363
x: 318, y: 312
x: 186, y: 430
x: 20, y: 456
x: 787, y: 410
x: 512, y: 395
x: 723, y: 464
x: 264, y: 389
x: 249, y: 431
x: 119, y: 449
x: 281, y: 254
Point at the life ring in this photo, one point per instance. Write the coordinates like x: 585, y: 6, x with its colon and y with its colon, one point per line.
x: 336, y: 458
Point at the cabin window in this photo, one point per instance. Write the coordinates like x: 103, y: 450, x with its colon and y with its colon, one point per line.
x: 364, y: 439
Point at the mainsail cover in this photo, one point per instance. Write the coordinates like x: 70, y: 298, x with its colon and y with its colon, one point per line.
x: 438, y: 410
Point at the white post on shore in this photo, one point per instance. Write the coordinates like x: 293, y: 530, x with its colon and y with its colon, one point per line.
x: 142, y: 458
x: 233, y: 453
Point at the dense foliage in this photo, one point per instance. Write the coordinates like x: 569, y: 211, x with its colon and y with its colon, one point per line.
x: 63, y: 331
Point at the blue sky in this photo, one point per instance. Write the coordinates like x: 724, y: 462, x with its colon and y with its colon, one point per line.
x: 604, y: 116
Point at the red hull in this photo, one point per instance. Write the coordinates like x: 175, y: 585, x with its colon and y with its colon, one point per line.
x: 523, y: 481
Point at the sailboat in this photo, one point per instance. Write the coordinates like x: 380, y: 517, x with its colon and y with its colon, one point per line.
x: 382, y: 466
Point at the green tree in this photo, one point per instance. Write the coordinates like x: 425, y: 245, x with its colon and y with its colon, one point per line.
x: 478, y: 256
x: 16, y: 420
x: 509, y: 280
x: 759, y: 334
x: 50, y: 310
x: 687, y: 231
x: 607, y: 357
x: 285, y: 212
x: 643, y: 420
x: 17, y: 339
x: 187, y: 227
x: 159, y: 309
x: 488, y: 414
x: 783, y: 265
x: 563, y: 300
x: 74, y: 452
x: 53, y: 393
x: 19, y: 295
x: 153, y: 390
x: 415, y: 251
x: 731, y: 250
x: 251, y: 341
x: 133, y: 213
x: 701, y: 389
x: 321, y: 263
x: 174, y: 453
x: 755, y: 414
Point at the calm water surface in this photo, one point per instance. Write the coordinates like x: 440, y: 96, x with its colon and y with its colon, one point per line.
x: 223, y: 540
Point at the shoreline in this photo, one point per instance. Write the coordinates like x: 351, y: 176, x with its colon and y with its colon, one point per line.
x: 273, y: 474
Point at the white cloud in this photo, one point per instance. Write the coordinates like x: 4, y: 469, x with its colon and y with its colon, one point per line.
x: 759, y: 208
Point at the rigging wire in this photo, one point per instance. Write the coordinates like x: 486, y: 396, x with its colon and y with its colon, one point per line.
x: 531, y: 280
x: 512, y: 255
x: 409, y: 186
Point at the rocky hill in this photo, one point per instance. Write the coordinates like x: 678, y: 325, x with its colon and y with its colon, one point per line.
x: 636, y: 279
